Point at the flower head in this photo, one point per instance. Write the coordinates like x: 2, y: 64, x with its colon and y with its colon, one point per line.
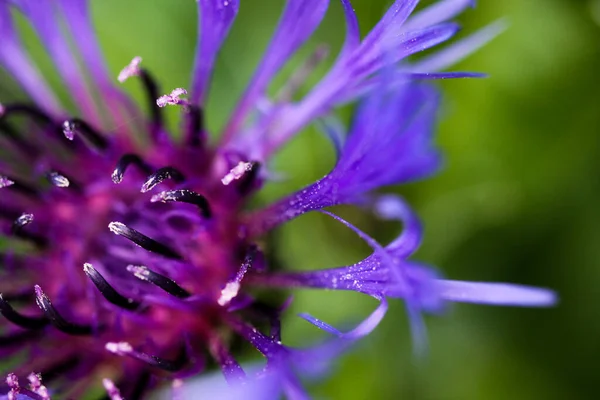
x: 140, y: 256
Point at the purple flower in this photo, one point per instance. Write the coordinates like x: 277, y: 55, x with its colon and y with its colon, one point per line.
x: 127, y: 261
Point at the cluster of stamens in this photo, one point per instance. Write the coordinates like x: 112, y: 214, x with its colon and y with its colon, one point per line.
x: 76, y: 199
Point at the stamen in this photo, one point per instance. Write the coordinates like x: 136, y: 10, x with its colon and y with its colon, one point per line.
x: 237, y: 172
x: 232, y: 287
x: 13, y: 383
x: 61, y: 368
x: 76, y: 125
x: 173, y: 98
x: 19, y: 223
x: 18, y: 339
x: 185, y: 196
x: 160, y: 175
x: 29, y: 111
x: 247, y: 181
x: 133, y: 69
x: 55, y: 318
x: 35, y: 385
x: 166, y: 284
x: 150, y: 87
x: 107, y: 290
x: 5, y: 182
x: 143, y: 241
x: 11, y: 133
x: 57, y: 179
x: 123, y: 164
x: 15, y: 184
x: 125, y: 349
x: 246, y: 173
x: 111, y: 389
x: 195, y: 125
x: 19, y: 319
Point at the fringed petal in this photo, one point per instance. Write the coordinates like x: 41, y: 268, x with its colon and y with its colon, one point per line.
x: 383, y: 148
x: 214, y: 22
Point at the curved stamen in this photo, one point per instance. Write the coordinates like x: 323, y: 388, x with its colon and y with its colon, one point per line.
x: 123, y: 164
x: 152, y: 93
x: 107, y: 290
x: 185, y: 196
x: 12, y: 135
x: 247, y: 181
x: 58, y: 180
x: 166, y: 284
x: 18, y: 319
x: 125, y: 349
x: 195, y: 125
x: 76, y: 125
x: 232, y: 287
x: 160, y: 175
x: 245, y: 173
x: 15, y: 184
x: 150, y: 89
x: 56, y: 319
x: 111, y: 389
x: 29, y: 111
x: 19, y: 223
x: 17, y: 339
x: 142, y: 240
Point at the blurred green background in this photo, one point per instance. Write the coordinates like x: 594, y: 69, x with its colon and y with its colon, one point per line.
x: 516, y: 202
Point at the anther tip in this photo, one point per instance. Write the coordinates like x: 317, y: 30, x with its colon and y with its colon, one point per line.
x: 69, y: 129
x: 116, y: 227
x: 132, y: 69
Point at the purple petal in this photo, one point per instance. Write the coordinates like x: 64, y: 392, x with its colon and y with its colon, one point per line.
x: 363, y: 329
x: 352, y: 29
x: 436, y: 13
x: 298, y: 22
x: 42, y: 16
x: 394, y: 208
x: 457, y: 51
x: 503, y: 294
x: 232, y: 371
x: 214, y: 19
x: 20, y: 66
x: 212, y: 386
x: 367, y: 86
x: 334, y: 130
x: 77, y: 16
x: 383, y: 148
